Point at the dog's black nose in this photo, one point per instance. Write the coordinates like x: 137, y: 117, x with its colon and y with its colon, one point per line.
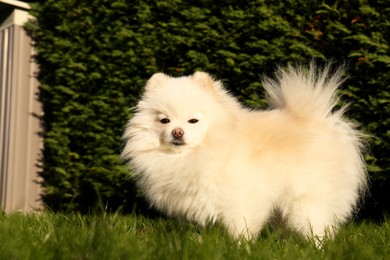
x: 177, y: 133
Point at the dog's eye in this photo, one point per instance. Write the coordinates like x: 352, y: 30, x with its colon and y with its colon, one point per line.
x: 193, y: 121
x: 165, y: 121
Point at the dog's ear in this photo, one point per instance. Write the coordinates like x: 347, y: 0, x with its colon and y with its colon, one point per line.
x: 156, y: 80
x: 207, y: 81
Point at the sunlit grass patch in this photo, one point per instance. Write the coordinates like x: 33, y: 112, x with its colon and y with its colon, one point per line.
x: 115, y: 236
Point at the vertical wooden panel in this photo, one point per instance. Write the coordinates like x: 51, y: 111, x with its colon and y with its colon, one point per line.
x: 20, y: 144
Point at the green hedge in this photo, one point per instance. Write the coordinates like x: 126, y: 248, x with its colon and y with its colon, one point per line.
x: 95, y: 57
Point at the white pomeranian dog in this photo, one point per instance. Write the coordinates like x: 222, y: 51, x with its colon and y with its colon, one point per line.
x: 199, y: 155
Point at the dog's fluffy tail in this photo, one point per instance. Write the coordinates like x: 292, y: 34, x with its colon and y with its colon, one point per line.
x: 308, y: 93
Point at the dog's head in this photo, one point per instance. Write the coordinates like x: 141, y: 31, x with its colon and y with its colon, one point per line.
x: 175, y: 114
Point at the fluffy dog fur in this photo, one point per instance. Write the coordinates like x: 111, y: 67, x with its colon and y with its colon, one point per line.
x: 199, y: 155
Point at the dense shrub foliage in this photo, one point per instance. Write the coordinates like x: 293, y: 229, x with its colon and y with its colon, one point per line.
x: 95, y: 57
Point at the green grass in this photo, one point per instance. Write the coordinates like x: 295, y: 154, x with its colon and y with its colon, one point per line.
x: 75, y: 236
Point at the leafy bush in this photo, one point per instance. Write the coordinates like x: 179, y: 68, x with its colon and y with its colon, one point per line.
x: 95, y: 57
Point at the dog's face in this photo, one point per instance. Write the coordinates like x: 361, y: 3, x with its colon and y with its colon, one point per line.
x: 180, y: 131
x: 176, y: 112
x: 179, y: 114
